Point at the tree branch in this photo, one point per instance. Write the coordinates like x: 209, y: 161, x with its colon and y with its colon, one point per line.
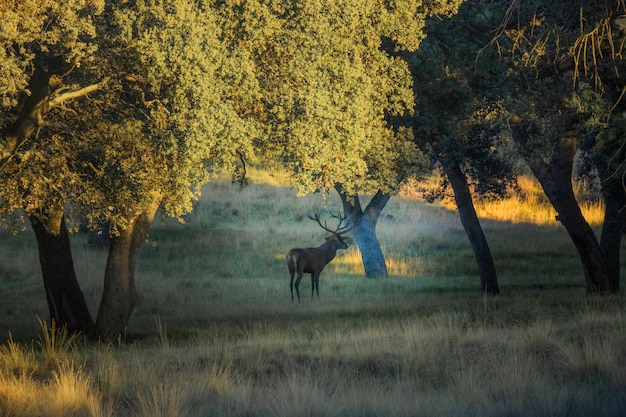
x: 33, y: 118
x: 377, y: 203
x: 70, y: 95
x: 351, y: 204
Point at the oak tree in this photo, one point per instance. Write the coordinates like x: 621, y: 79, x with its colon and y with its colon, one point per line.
x: 329, y: 87
x: 139, y: 119
x: 456, y: 117
x: 555, y: 54
x: 42, y: 46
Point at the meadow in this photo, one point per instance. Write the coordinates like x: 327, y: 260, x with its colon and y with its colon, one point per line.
x: 216, y: 333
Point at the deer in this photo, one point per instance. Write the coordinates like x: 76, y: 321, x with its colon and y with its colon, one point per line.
x: 313, y: 260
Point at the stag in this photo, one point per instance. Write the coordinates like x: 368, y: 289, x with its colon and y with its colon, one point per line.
x: 313, y: 260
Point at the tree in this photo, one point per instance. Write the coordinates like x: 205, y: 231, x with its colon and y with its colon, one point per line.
x: 456, y: 113
x: 173, y: 110
x: 329, y: 89
x: 554, y: 54
x: 363, y: 223
x: 600, y: 96
x: 180, y: 99
x: 42, y: 44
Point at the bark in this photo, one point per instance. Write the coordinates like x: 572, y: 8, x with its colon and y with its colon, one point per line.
x: 119, y: 296
x: 65, y: 299
x: 613, y: 226
x: 46, y: 91
x: 555, y: 177
x: 364, y: 230
x: 30, y: 118
x: 473, y: 230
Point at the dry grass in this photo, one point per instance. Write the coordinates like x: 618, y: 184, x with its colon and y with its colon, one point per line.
x: 216, y: 333
x: 526, y: 204
x: 529, y: 204
x: 444, y: 364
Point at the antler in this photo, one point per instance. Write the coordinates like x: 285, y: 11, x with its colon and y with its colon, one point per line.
x: 339, y: 230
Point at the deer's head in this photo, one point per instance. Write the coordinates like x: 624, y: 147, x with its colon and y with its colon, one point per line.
x: 338, y: 240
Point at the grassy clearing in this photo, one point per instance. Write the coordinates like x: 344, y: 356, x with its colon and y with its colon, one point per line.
x: 216, y: 333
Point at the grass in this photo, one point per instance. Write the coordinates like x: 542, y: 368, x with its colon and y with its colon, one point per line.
x: 216, y: 334
x: 525, y: 204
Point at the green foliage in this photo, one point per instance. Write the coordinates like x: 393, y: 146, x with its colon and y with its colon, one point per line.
x: 182, y: 89
x: 189, y: 89
x: 34, y: 29
x: 42, y: 44
x: 458, y: 113
x: 189, y: 95
x: 564, y: 66
x: 38, y: 179
x: 172, y: 108
x: 329, y: 86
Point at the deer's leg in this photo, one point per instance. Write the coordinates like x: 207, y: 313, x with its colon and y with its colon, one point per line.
x: 291, y: 274
x: 298, y: 279
x: 317, y: 284
x: 315, y: 280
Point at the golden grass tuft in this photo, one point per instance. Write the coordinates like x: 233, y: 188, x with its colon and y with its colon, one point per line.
x: 159, y: 401
x: 17, y: 359
x: 70, y: 392
x: 56, y: 344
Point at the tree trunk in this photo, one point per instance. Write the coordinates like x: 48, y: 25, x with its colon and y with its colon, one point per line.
x: 364, y: 230
x: 555, y: 178
x: 65, y: 298
x: 119, y: 295
x: 613, y: 226
x: 473, y: 230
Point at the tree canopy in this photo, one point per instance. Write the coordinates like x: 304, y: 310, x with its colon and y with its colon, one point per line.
x: 329, y: 86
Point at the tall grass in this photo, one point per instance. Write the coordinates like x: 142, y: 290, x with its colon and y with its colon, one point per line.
x: 526, y: 203
x: 216, y: 333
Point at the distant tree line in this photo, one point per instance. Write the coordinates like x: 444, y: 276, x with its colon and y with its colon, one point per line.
x: 111, y: 111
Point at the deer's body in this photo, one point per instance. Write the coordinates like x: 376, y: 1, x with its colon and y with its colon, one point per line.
x: 313, y: 260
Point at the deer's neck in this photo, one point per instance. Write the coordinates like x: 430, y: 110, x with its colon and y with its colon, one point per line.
x: 330, y: 249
